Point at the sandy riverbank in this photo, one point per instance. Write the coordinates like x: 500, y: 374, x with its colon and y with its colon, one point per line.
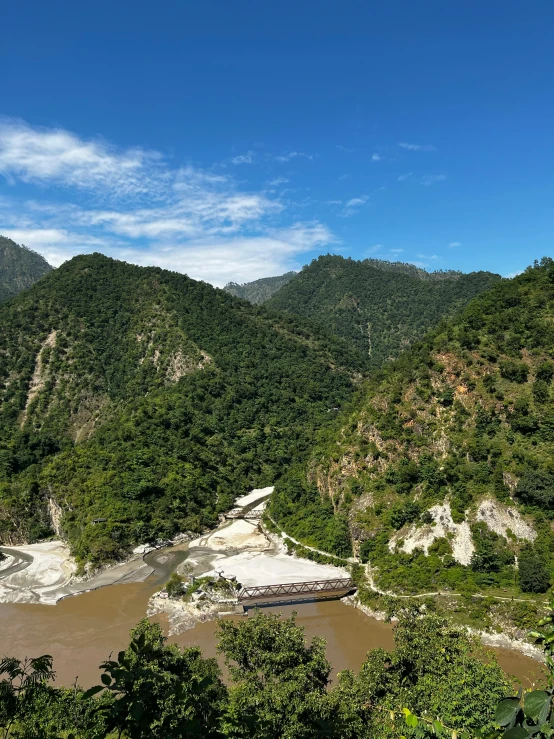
x: 45, y: 573
x: 488, y: 638
x: 242, y: 550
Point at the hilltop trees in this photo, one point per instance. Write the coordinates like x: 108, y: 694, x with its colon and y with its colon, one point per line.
x: 379, y: 307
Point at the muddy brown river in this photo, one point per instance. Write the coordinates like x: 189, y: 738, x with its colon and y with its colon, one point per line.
x: 81, y: 631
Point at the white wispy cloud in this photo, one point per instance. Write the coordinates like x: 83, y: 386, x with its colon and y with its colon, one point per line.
x: 247, y: 158
x: 278, y: 181
x: 426, y: 180
x: 432, y: 179
x: 454, y: 244
x: 239, y: 259
x: 340, y: 147
x: 132, y: 204
x: 55, y: 156
x: 292, y: 155
x: 353, y: 205
x: 427, y: 256
x: 375, y: 158
x: 416, y: 147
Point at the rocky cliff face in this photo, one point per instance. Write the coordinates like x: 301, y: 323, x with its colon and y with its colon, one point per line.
x: 19, y: 268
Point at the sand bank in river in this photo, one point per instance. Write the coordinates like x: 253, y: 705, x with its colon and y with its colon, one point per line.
x: 252, y: 497
x: 242, y: 550
x: 260, y: 568
x: 239, y: 534
x: 45, y: 573
x: 35, y: 572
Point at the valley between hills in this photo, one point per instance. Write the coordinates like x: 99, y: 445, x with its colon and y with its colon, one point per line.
x: 401, y: 420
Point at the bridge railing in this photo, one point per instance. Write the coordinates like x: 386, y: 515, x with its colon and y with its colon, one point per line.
x: 296, y: 588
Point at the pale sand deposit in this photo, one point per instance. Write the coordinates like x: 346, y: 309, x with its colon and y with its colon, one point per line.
x: 45, y: 573
x: 252, y: 497
x: 239, y: 534
x: 44, y: 569
x: 259, y: 568
x: 7, y: 562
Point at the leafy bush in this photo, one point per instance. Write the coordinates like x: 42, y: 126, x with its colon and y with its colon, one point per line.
x: 533, y: 576
x: 174, y: 586
x: 545, y: 372
x: 536, y: 488
x: 514, y: 371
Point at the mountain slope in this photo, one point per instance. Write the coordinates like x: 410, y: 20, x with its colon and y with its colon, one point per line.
x: 380, y: 307
x: 443, y: 470
x: 20, y: 267
x: 151, y: 400
x: 258, y: 291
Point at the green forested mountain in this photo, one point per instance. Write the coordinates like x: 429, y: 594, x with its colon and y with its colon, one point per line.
x: 380, y: 307
x: 151, y: 400
x: 259, y: 291
x: 443, y: 470
x: 20, y: 267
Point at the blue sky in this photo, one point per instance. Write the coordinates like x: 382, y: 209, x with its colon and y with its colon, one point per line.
x: 235, y: 140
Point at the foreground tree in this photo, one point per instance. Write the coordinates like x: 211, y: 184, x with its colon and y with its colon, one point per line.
x: 21, y: 680
x: 280, y: 681
x: 160, y: 691
x: 531, y: 713
x: 436, y: 670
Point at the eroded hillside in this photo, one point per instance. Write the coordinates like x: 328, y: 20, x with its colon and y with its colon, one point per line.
x: 443, y: 475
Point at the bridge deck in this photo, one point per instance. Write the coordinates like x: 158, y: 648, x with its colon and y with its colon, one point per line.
x: 297, y: 590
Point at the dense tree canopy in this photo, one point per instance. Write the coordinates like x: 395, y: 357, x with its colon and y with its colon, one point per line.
x: 379, y: 307
x: 148, y: 399
x: 453, y: 423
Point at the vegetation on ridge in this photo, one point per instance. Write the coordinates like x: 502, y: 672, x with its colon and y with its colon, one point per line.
x: 379, y: 307
x: 443, y: 471
x: 258, y: 291
x: 151, y: 400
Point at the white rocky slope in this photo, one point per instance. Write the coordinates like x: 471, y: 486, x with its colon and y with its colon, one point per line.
x: 499, y: 518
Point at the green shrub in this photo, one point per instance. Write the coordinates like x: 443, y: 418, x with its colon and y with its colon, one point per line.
x: 514, y: 371
x: 533, y: 576
x: 174, y: 586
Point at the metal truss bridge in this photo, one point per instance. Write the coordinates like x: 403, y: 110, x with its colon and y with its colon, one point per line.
x: 297, y: 591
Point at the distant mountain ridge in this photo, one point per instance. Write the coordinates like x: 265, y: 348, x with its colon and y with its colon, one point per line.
x: 258, y: 291
x: 20, y: 267
x: 411, y: 269
x: 380, y: 307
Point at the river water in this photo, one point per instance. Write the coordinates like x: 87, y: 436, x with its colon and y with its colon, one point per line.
x: 81, y: 631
